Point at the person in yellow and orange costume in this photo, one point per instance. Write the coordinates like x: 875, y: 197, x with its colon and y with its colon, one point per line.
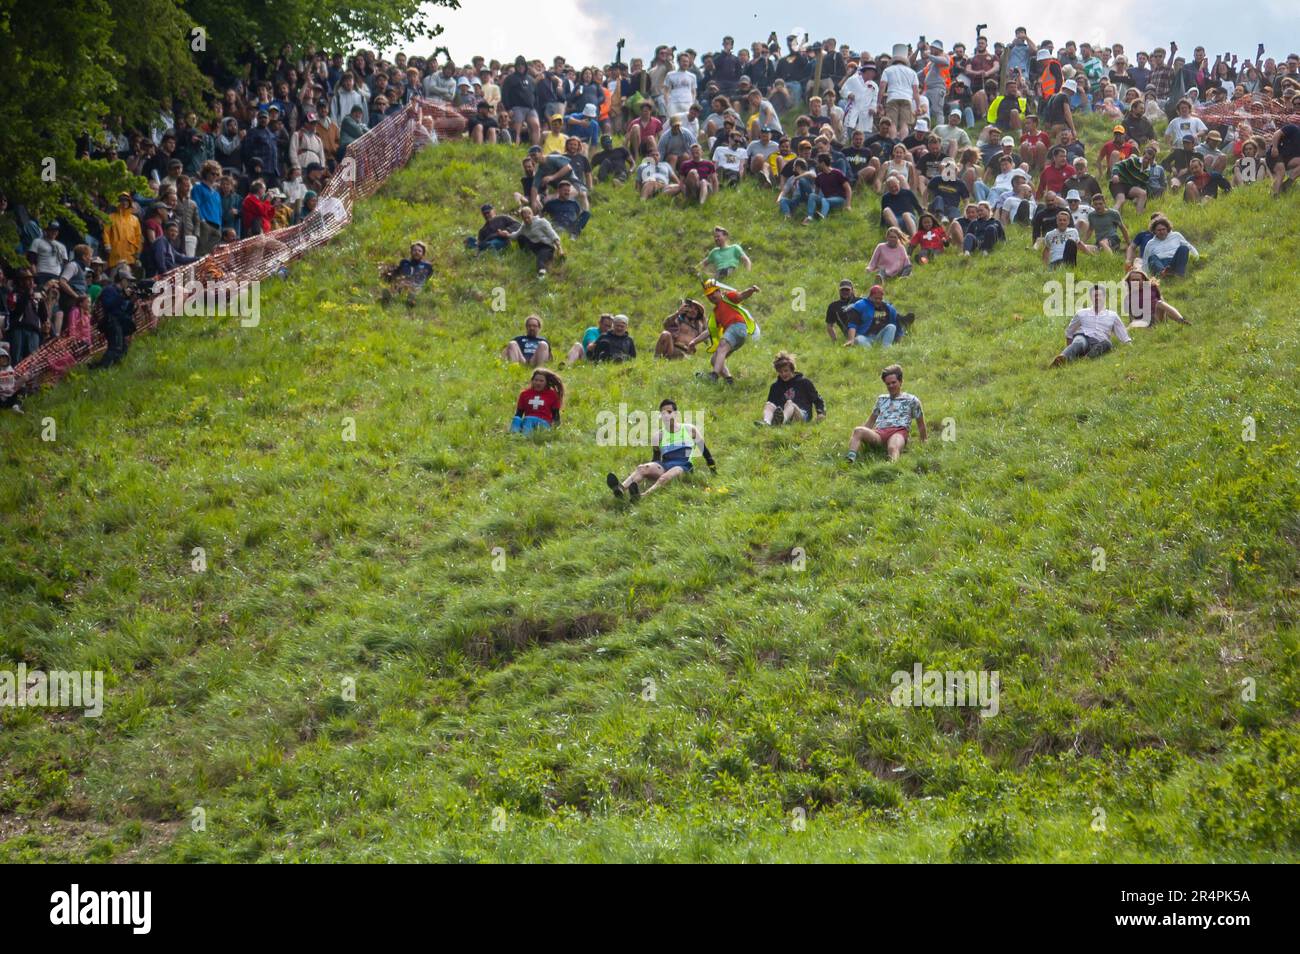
x: 730, y: 326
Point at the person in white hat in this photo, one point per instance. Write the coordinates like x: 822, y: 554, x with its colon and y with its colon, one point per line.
x: 862, y: 94
x: 902, y: 92
x: 935, y: 72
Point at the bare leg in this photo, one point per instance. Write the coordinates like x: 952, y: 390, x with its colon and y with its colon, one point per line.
x: 512, y: 354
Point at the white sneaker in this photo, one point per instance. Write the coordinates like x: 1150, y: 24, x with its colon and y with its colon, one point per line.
x: 541, y: 273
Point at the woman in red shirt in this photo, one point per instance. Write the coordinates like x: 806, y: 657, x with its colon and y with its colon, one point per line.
x: 930, y: 236
x: 539, y: 404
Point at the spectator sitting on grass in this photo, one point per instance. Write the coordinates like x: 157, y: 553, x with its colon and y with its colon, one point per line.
x: 890, y: 259
x: 615, y: 344
x: 872, y: 320
x: 530, y: 348
x: 539, y: 404
x: 891, y: 419
x: 564, y: 211
x: 654, y: 177
x: 584, y: 348
x: 791, y: 395
x: 536, y: 235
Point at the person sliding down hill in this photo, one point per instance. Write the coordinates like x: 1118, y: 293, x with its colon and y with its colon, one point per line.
x: 539, y: 404
x: 675, y: 444
x: 409, y: 274
x: 791, y: 395
x: 891, y: 419
x: 730, y: 326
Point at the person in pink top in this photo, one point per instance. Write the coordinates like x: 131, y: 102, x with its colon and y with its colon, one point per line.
x: 891, y: 259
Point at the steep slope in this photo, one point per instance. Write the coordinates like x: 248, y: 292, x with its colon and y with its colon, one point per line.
x: 499, y: 614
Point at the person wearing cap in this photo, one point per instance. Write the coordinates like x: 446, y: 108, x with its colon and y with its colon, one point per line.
x: 935, y: 75
x: 554, y: 139
x: 489, y: 236
x: 682, y: 329
x: 861, y: 94
x: 675, y: 142
x: 1048, y: 75
x: 1006, y: 108
x: 759, y: 151
x: 116, y: 306
x: 122, y: 238
x: 616, y: 344
x: 1118, y: 147
x: 729, y: 326
x: 837, y: 310
x: 1215, y: 157
x: 676, y: 444
x: 792, y: 396
x: 953, y: 139
x: 483, y: 126
x: 47, y: 255
x: 872, y: 320
x: 611, y: 162
x: 1089, y: 333
x: 890, y: 423
x: 1056, y: 113
x: 1078, y: 211
x: 584, y: 125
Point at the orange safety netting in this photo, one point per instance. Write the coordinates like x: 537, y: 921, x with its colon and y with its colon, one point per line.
x: 1265, y: 116
x: 368, y: 162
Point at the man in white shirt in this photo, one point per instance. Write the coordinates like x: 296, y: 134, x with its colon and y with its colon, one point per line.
x: 48, y: 255
x: 680, y: 86
x: 1062, y: 244
x: 730, y: 159
x: 862, y: 94
x: 1185, y: 124
x: 902, y: 89
x: 952, y: 136
x: 1089, y: 334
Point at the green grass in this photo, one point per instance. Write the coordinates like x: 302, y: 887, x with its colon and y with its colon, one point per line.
x: 521, y: 690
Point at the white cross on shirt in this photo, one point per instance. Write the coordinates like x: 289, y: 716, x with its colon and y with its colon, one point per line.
x: 535, y: 402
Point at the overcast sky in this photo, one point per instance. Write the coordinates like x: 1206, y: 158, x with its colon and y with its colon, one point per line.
x: 585, y: 31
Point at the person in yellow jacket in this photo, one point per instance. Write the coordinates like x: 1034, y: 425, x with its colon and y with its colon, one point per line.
x: 123, y: 240
x: 730, y: 326
x: 1005, y: 111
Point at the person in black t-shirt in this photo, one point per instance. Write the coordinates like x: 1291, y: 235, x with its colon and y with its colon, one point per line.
x: 483, y: 126
x: 611, y: 162
x: 487, y: 236
x: 857, y: 155
x: 615, y: 344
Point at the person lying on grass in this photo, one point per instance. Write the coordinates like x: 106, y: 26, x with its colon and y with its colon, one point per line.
x: 792, y: 396
x: 675, y: 444
x: 539, y: 404
x: 408, y: 275
x: 891, y: 419
x: 529, y: 348
x: 1143, y: 302
x: 682, y: 329
x: 1089, y: 333
x: 584, y: 348
x: 730, y: 326
x: 872, y: 320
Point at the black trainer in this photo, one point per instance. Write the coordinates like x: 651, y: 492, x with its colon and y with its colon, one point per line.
x: 614, y: 485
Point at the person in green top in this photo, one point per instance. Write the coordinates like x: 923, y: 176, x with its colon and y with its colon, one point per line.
x: 724, y: 257
x: 586, y: 347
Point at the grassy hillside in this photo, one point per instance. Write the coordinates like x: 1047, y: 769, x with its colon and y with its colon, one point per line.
x: 518, y: 695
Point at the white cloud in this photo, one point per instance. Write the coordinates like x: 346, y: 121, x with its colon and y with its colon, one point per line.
x: 502, y: 29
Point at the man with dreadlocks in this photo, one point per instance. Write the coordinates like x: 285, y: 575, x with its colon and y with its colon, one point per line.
x: 730, y: 326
